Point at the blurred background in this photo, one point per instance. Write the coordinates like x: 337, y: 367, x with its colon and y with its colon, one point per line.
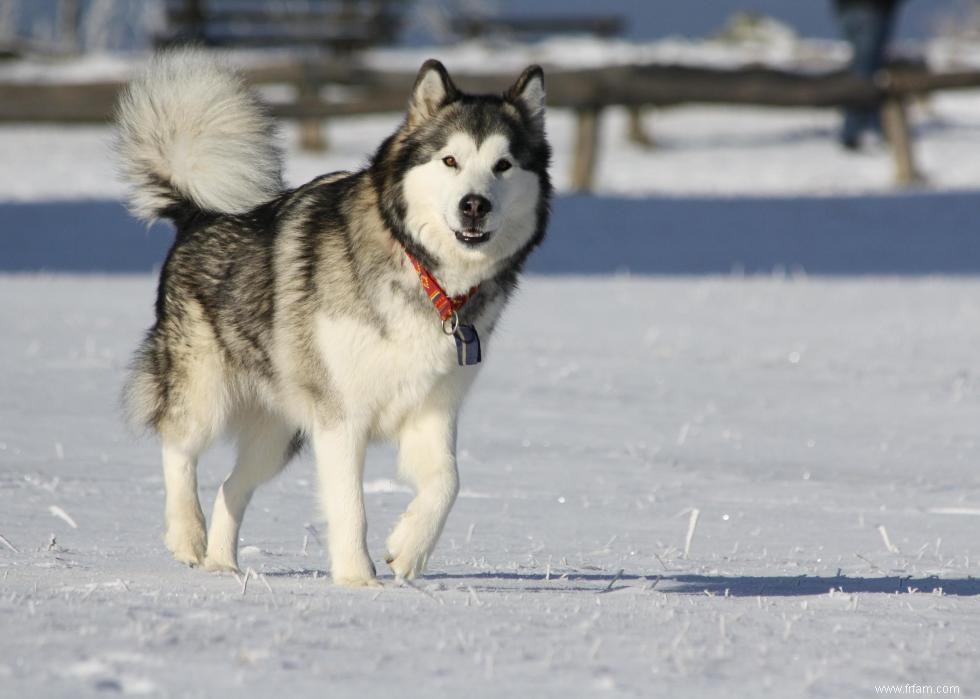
x: 745, y: 135
x: 129, y: 24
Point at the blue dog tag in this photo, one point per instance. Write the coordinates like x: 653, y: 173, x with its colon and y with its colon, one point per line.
x: 467, y: 345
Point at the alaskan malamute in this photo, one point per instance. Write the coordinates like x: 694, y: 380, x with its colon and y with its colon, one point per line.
x: 349, y: 309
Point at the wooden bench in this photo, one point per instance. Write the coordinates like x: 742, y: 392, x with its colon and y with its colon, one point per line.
x: 588, y: 92
x: 337, y: 27
x: 531, y: 27
x: 340, y: 26
x: 536, y: 26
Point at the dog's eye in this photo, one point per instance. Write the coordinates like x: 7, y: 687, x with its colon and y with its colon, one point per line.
x: 450, y: 161
x: 503, y: 165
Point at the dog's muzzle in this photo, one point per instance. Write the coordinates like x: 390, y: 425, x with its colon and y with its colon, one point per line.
x: 473, y: 210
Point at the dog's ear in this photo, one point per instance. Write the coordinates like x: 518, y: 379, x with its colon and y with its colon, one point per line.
x: 529, y: 92
x: 433, y: 89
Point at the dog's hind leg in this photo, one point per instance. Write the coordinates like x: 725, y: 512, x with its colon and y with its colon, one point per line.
x: 193, y: 413
x: 427, y: 459
x: 185, y: 536
x: 265, y: 445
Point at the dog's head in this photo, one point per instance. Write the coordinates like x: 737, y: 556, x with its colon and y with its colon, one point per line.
x: 464, y: 183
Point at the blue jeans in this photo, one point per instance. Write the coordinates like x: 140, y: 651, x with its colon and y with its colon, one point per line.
x: 867, y: 25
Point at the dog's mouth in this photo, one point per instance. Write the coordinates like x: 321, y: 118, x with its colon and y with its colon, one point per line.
x: 472, y: 236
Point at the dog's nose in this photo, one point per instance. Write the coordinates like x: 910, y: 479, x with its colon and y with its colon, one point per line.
x: 474, y: 206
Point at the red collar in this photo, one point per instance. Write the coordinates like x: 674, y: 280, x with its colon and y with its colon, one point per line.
x: 445, y: 304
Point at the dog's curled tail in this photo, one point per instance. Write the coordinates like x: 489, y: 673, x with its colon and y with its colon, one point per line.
x: 192, y: 136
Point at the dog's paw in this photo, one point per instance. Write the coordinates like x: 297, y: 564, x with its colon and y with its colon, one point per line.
x: 408, y: 567
x: 356, y: 581
x: 354, y: 574
x: 188, y: 544
x: 407, y: 550
x: 215, y: 564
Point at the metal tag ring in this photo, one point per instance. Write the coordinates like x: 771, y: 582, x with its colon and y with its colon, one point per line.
x: 453, y: 324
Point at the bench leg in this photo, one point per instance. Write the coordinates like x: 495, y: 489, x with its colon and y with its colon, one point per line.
x: 895, y: 122
x: 636, y: 132
x: 311, y: 136
x: 586, y: 149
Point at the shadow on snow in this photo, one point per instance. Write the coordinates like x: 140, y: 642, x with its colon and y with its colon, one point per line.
x: 735, y: 586
x: 679, y: 583
x: 909, y: 234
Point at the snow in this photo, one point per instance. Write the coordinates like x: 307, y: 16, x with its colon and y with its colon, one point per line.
x: 798, y: 417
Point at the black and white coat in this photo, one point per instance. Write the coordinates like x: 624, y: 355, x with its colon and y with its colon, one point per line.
x: 286, y: 316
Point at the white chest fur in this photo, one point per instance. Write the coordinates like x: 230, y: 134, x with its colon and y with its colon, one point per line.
x: 380, y: 377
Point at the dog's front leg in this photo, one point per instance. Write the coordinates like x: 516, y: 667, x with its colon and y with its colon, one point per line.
x: 340, y: 463
x: 427, y: 460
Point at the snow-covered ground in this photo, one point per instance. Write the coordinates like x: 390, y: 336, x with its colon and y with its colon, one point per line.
x: 825, y: 431
x: 680, y: 486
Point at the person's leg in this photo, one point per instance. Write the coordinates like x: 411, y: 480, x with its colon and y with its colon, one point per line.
x: 867, y: 26
x: 879, y: 35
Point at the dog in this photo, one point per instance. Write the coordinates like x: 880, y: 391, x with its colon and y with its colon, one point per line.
x: 346, y: 310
